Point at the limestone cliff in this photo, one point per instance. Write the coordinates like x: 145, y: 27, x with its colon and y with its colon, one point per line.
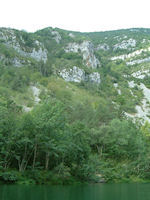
x: 87, y: 50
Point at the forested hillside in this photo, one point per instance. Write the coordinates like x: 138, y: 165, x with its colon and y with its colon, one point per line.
x: 74, y: 107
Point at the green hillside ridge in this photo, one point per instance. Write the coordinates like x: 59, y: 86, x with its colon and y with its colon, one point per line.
x: 74, y: 107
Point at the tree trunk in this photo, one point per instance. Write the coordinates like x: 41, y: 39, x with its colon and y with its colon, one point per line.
x: 47, y: 160
x: 34, y: 156
x: 23, y: 162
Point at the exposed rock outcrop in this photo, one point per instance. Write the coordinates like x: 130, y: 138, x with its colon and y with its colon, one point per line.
x: 143, y: 110
x: 118, y: 90
x: 95, y: 78
x: 9, y: 38
x: 130, y: 55
x: 36, y: 93
x: 40, y: 54
x: 125, y: 44
x: 57, y: 36
x: 104, y: 47
x: 15, y: 61
x: 26, y: 109
x: 138, y: 61
x: 77, y: 75
x: 73, y: 75
x: 87, y: 50
x: 141, y: 74
x: 71, y: 35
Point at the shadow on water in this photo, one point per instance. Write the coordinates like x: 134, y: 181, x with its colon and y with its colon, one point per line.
x: 136, y: 191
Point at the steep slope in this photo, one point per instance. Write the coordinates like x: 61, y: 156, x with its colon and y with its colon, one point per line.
x: 115, y: 57
x: 74, y: 103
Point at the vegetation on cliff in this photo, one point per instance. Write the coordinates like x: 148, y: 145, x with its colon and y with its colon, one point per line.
x: 58, y: 132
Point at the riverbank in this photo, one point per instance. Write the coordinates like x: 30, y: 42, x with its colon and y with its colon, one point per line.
x: 38, y: 177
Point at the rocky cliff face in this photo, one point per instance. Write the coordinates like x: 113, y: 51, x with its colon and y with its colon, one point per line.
x: 143, y: 110
x: 73, y: 75
x: 11, y: 39
x: 125, y: 44
x: 26, y: 48
x: 77, y: 75
x: 104, y: 47
x: 87, y: 50
x: 57, y: 36
x: 94, y: 77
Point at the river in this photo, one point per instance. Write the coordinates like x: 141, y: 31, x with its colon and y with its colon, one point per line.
x: 133, y: 191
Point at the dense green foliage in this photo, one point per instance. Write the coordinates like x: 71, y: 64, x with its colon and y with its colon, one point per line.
x: 45, y: 146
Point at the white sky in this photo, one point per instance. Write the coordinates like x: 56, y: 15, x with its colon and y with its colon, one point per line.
x: 77, y: 15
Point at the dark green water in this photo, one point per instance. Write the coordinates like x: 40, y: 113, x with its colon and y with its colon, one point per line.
x: 86, y: 192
